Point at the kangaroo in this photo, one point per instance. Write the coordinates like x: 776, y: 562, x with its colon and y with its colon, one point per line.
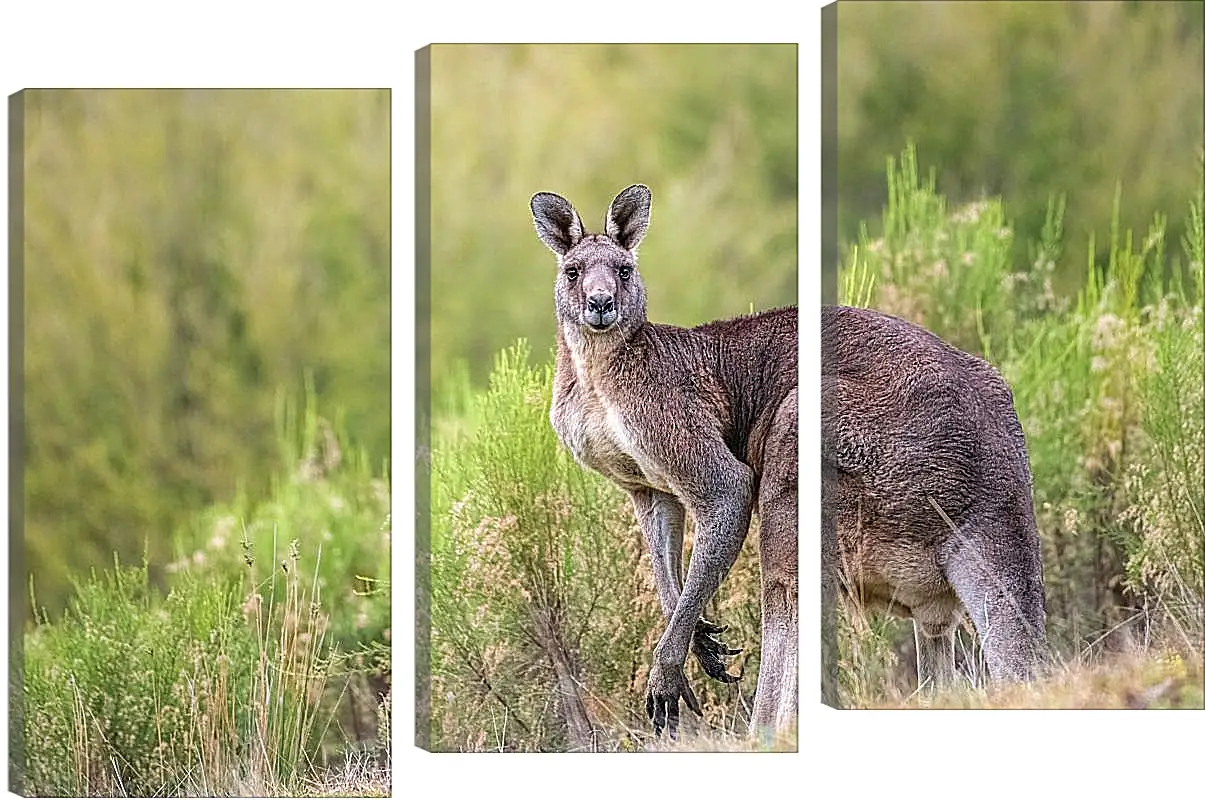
x: 927, y: 504
x: 697, y: 419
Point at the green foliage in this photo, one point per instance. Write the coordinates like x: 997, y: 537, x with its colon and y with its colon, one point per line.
x: 712, y: 129
x: 1108, y: 390
x: 1025, y: 101
x: 119, y: 694
x: 538, y: 582
x: 907, y: 271
x: 187, y: 253
x: 1167, y: 548
x: 331, y: 502
x: 264, y: 664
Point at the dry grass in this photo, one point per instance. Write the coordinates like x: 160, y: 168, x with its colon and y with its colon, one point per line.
x: 360, y: 776
x: 695, y: 736
x: 726, y: 742
x: 1133, y: 681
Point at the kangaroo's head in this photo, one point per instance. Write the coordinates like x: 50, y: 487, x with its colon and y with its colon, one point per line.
x: 598, y: 289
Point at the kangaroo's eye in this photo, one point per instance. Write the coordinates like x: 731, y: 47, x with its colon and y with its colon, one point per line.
x: 625, y: 272
x: 571, y: 273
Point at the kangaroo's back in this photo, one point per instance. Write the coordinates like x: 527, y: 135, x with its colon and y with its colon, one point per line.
x: 912, y: 417
x: 757, y: 362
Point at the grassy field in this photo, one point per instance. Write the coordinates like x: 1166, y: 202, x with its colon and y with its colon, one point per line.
x: 262, y: 667
x: 542, y: 599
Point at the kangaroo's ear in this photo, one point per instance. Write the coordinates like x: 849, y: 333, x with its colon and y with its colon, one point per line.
x: 557, y: 223
x: 628, y: 216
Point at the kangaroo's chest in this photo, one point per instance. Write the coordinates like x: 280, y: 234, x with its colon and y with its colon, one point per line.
x: 602, y: 437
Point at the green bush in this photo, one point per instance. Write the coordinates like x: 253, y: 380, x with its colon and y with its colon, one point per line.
x: 1165, y: 551
x: 946, y: 269
x: 133, y: 695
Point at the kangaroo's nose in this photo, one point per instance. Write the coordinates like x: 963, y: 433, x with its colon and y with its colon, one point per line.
x: 600, y: 304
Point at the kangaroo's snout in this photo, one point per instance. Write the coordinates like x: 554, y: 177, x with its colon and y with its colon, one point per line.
x: 600, y: 311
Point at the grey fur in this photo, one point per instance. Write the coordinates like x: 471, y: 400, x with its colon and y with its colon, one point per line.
x: 927, y: 504
x: 701, y: 420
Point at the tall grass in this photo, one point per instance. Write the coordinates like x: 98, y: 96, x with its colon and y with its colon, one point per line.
x: 196, y: 694
x: 263, y: 669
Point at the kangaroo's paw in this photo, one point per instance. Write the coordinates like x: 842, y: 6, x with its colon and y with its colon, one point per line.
x: 667, y: 683
x: 711, y: 652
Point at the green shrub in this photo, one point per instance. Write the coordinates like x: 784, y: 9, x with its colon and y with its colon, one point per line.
x: 946, y: 270
x: 132, y: 695
x: 1167, y: 547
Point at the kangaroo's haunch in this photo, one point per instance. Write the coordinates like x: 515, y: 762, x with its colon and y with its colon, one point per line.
x: 927, y: 505
x: 700, y: 419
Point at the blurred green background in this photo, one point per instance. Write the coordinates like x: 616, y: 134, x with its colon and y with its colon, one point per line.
x: 192, y: 257
x: 711, y: 129
x: 1024, y: 100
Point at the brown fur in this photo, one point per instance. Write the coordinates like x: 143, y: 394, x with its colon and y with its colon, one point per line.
x: 700, y: 420
x: 927, y: 505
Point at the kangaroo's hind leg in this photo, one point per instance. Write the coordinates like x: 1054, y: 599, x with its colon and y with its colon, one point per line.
x: 993, y: 562
x: 776, y: 702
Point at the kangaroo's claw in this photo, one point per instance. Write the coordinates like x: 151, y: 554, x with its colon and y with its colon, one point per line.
x: 711, y: 651
x: 667, y: 684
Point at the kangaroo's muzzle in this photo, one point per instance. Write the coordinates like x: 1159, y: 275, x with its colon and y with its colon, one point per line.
x: 600, y: 311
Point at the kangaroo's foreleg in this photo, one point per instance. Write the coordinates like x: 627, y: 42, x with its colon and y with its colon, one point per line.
x: 719, y: 493
x: 662, y: 517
